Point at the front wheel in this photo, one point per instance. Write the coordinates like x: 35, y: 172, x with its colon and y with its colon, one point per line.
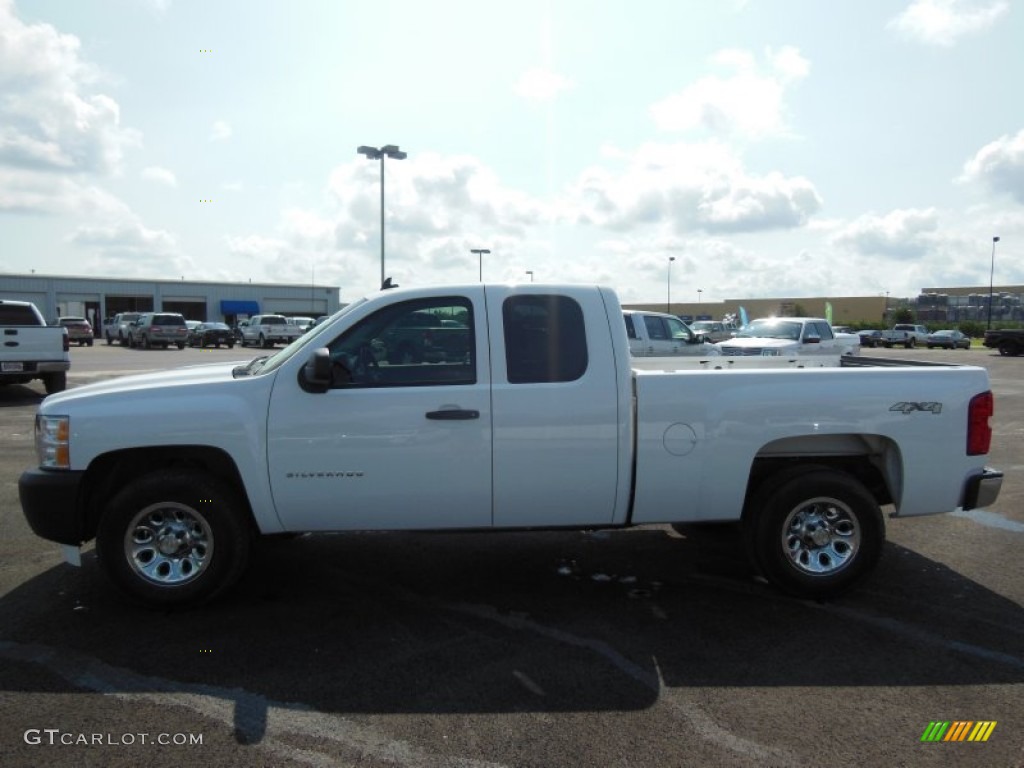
x: 174, y: 538
x: 816, y: 533
x: 911, y: 344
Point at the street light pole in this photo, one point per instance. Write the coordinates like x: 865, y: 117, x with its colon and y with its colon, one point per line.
x: 375, y: 153
x: 668, y: 298
x: 480, y: 252
x: 530, y: 273
x: 991, y: 273
x: 699, y: 292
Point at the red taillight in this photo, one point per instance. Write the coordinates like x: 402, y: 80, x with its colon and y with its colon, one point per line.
x: 67, y: 341
x: 979, y: 432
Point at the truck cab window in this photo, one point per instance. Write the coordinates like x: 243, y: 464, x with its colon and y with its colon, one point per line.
x: 545, y: 339
x: 423, y: 342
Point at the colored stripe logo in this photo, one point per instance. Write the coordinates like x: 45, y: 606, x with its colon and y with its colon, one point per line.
x: 958, y: 730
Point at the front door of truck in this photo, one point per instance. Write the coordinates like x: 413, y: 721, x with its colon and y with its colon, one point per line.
x: 402, y: 440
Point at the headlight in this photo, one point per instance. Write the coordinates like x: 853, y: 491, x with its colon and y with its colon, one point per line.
x: 769, y: 353
x: 53, y: 441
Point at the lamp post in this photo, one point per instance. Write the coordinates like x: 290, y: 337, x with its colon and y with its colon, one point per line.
x: 668, y: 297
x: 991, y: 273
x: 699, y: 292
x: 480, y: 253
x: 530, y: 273
x: 374, y: 153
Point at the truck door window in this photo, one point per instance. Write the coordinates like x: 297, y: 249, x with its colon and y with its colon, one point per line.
x: 423, y: 342
x: 656, y: 330
x: 677, y: 331
x: 630, y: 330
x: 545, y: 339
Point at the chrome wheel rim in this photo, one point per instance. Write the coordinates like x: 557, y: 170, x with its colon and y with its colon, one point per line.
x: 168, y: 544
x: 821, y: 536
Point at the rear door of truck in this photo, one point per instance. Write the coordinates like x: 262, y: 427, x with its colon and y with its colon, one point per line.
x: 561, y: 406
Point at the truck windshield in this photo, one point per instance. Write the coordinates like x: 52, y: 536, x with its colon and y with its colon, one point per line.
x: 310, y: 340
x: 771, y: 329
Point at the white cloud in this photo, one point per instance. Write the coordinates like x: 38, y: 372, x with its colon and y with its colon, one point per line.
x: 999, y: 165
x: 944, y: 22
x: 160, y: 175
x: 692, y: 187
x: 128, y: 247
x: 221, y: 131
x: 901, y: 234
x: 541, y: 85
x: 51, y: 121
x: 746, y: 100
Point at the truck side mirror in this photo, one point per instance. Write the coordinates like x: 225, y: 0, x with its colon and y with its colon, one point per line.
x: 315, y: 375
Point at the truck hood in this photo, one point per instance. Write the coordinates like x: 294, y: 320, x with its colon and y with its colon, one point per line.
x: 759, y: 343
x: 177, y: 377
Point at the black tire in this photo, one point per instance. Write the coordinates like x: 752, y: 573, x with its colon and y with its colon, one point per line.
x: 89, y: 343
x: 263, y: 342
x: 110, y: 339
x: 123, y: 341
x: 1008, y: 349
x: 145, y: 341
x: 193, y: 509
x: 180, y: 344
x: 911, y: 343
x: 816, y: 533
x: 230, y: 345
x: 55, y: 382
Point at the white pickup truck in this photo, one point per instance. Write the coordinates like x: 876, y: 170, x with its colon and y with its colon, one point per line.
x: 30, y: 349
x: 786, y: 336
x: 543, y: 423
x: 267, y: 330
x: 656, y: 334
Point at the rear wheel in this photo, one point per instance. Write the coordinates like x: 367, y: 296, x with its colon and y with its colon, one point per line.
x: 911, y: 343
x: 1008, y: 349
x: 55, y: 382
x: 816, y: 533
x: 174, y: 538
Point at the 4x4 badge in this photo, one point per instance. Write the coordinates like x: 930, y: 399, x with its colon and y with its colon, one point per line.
x: 935, y: 408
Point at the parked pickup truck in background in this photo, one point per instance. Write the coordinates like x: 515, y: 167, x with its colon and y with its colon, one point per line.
x: 31, y: 349
x: 544, y: 424
x: 784, y: 336
x: 656, y: 334
x: 119, y: 328
x: 267, y: 330
x: 906, y: 335
x: 1009, y: 341
x: 713, y: 330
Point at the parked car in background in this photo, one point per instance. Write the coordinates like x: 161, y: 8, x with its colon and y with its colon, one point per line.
x: 906, y: 335
x: 79, y: 329
x: 31, y: 348
x: 949, y: 339
x: 1009, y: 341
x: 158, y: 329
x: 713, y: 330
x: 656, y: 334
x: 783, y: 336
x: 302, y: 323
x: 119, y: 327
x: 267, y: 330
x: 193, y: 324
x: 870, y: 337
x: 211, y: 335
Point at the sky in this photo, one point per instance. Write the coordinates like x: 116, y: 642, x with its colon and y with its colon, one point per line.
x: 772, y: 149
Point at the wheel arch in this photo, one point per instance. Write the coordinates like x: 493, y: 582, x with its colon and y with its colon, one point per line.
x: 109, y: 473
x: 874, y: 460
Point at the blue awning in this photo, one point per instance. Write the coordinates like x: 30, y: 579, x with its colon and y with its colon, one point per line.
x: 239, y: 307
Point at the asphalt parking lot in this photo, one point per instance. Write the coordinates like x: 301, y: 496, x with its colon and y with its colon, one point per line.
x: 624, y: 648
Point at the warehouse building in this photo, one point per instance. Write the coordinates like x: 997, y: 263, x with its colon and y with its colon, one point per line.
x: 97, y: 298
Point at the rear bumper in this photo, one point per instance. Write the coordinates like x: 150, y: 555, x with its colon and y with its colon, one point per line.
x: 50, y: 501
x: 982, y: 490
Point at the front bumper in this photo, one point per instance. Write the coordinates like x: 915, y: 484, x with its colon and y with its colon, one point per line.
x: 50, y: 501
x: 982, y: 490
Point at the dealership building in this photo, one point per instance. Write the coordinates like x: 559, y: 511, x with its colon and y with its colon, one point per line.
x: 97, y: 298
